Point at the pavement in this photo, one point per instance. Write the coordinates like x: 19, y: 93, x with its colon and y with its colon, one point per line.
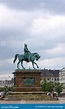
x: 60, y: 101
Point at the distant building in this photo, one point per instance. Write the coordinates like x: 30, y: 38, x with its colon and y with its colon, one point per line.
x: 8, y: 83
x: 62, y: 77
x: 50, y: 75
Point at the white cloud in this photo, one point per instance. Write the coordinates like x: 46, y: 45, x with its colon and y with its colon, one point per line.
x: 42, y: 31
x: 59, y: 50
x: 12, y: 18
x: 53, y: 63
x: 37, y: 23
x: 52, y: 27
x: 6, y: 76
x: 4, y: 61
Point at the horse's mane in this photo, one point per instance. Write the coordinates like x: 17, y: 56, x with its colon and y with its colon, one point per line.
x: 34, y: 53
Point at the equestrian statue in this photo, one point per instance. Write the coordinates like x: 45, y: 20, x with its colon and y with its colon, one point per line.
x: 27, y: 56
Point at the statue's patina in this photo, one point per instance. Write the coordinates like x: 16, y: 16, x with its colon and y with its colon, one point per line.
x: 27, y: 53
x: 27, y: 56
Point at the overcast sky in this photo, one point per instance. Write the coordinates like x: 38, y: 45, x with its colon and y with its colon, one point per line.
x: 38, y: 23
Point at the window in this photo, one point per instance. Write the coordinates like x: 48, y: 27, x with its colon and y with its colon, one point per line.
x: 55, y: 79
x: 48, y: 79
x: 52, y: 78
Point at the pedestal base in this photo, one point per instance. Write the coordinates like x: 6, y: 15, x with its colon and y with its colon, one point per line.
x: 27, y: 80
x: 27, y: 89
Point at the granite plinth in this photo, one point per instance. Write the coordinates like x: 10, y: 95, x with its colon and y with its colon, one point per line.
x: 20, y: 75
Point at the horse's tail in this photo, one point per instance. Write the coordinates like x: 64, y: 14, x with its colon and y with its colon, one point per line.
x: 15, y: 58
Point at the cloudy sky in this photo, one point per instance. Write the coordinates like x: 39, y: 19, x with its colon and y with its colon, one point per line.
x: 40, y: 24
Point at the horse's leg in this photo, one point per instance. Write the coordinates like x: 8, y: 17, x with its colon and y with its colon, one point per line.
x: 22, y: 64
x: 33, y: 65
x: 36, y: 65
x: 18, y: 65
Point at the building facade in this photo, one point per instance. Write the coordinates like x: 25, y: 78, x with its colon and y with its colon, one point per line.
x: 62, y: 78
x: 50, y: 75
x: 8, y: 83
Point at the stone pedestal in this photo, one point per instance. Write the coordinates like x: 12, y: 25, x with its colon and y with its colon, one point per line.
x: 27, y: 80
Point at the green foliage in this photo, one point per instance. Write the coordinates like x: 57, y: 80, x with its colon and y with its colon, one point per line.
x: 2, y: 88
x: 47, y: 86
x: 58, y: 87
x: 10, y: 88
x: 50, y: 86
x: 44, y: 84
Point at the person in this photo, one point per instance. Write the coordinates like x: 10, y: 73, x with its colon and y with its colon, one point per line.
x: 2, y: 95
x: 26, y: 53
x: 6, y: 90
x: 48, y: 94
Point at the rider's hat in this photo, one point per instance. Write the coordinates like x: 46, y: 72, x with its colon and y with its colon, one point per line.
x: 25, y: 44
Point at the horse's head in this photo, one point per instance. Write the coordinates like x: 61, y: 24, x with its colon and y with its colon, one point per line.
x: 36, y: 56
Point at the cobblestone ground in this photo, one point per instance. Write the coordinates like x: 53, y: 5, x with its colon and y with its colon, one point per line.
x: 60, y: 101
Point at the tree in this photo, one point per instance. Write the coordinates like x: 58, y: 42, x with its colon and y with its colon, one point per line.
x: 50, y: 86
x: 47, y: 86
x: 58, y: 87
x: 44, y: 84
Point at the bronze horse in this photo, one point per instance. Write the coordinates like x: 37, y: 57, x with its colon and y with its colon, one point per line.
x: 32, y: 58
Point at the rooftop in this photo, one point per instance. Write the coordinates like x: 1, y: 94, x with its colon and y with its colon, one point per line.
x: 50, y: 73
